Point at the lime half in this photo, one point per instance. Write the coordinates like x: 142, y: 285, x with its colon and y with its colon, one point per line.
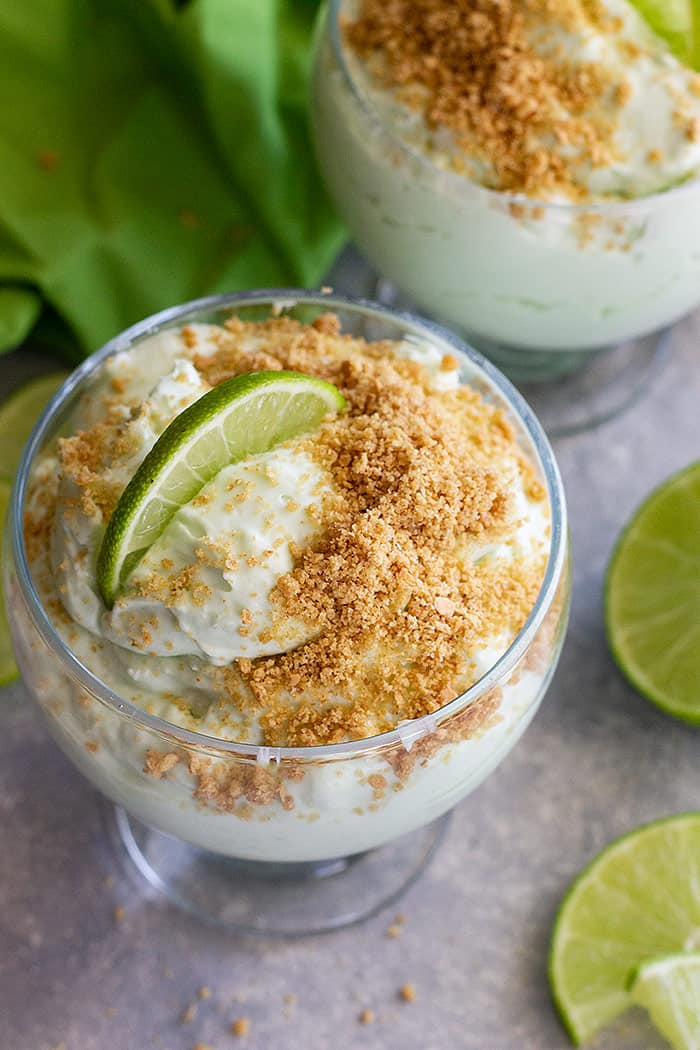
x: 653, y: 597
x: 638, y: 899
x: 19, y: 413
x: 8, y: 670
x: 676, y: 22
x: 669, y: 988
x: 242, y: 416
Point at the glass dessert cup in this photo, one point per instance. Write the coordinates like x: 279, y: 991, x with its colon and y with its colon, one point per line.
x: 573, y: 302
x: 302, y: 839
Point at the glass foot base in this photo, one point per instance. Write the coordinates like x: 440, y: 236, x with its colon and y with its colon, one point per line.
x: 570, y: 390
x: 605, y: 384
x: 275, y: 900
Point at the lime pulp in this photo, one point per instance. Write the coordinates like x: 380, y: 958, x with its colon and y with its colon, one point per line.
x: 677, y: 22
x: 669, y: 989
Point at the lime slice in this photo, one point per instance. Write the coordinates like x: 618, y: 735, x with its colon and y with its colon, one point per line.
x: 669, y: 988
x: 19, y: 311
x: 8, y: 670
x: 242, y: 416
x: 638, y: 899
x: 18, y: 414
x: 676, y: 22
x: 653, y: 597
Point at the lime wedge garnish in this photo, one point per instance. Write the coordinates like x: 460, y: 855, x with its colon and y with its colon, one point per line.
x: 653, y: 597
x: 8, y: 670
x: 19, y: 413
x: 675, y: 21
x: 669, y: 988
x: 638, y: 899
x: 240, y: 417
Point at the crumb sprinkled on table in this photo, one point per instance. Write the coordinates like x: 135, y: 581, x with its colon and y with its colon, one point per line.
x: 240, y: 1027
x: 407, y: 992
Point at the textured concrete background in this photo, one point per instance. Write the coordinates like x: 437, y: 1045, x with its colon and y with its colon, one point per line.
x: 597, y: 761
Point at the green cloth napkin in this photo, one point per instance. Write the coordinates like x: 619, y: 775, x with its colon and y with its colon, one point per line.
x: 150, y: 154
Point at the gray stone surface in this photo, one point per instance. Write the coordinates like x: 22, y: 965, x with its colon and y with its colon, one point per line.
x: 597, y: 761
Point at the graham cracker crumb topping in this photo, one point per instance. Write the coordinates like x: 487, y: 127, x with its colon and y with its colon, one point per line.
x: 389, y: 587
x: 533, y: 115
x: 393, y: 586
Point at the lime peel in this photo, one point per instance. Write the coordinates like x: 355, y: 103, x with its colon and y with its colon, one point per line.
x: 245, y: 415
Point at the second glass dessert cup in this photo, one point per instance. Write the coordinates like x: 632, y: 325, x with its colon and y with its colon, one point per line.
x: 284, y: 841
x: 572, y: 301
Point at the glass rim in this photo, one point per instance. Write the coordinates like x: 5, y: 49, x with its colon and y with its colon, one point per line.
x: 410, y: 731
x: 603, y: 205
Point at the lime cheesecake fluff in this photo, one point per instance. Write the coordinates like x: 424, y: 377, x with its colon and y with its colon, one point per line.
x: 593, y: 102
x: 526, y: 171
x: 202, y: 591
x: 344, y: 583
x: 257, y: 507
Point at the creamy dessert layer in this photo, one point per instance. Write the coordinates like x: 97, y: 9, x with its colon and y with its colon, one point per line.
x: 556, y: 99
x: 330, y: 589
